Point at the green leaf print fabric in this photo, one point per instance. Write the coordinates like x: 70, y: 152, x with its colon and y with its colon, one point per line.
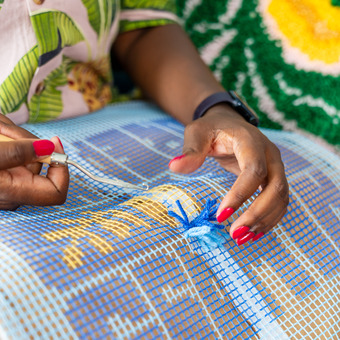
x: 49, y: 105
x: 101, y: 14
x: 13, y: 91
x: 55, y: 30
x: 165, y: 5
x: 162, y: 14
x: 65, y: 70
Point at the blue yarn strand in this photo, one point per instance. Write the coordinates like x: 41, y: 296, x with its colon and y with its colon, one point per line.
x: 208, y: 234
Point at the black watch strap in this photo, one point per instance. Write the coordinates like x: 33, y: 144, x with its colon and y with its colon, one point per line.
x: 231, y: 98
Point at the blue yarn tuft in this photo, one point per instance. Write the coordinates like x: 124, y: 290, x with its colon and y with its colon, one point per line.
x: 209, y: 235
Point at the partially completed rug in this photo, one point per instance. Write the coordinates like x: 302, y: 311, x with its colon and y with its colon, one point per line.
x: 283, y: 56
x: 110, y: 264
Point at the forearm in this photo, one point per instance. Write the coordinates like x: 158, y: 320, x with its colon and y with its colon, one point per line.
x: 167, y: 67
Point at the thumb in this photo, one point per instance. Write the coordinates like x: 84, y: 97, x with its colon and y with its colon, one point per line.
x: 20, y: 152
x: 196, y: 146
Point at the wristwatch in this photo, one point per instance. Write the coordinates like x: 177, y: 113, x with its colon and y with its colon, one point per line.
x: 231, y: 98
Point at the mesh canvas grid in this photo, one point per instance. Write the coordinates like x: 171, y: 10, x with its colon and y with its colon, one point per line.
x: 110, y: 264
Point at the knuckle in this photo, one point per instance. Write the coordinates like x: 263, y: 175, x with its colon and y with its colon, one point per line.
x: 240, y: 196
x: 282, y: 190
x: 12, y: 154
x: 61, y: 198
x: 258, y: 170
x: 191, y: 127
x: 6, y: 193
x: 194, y: 127
x: 5, y: 181
x: 16, y: 154
x: 61, y: 201
x: 255, y: 216
x: 276, y: 153
x: 5, y: 122
x: 275, y: 149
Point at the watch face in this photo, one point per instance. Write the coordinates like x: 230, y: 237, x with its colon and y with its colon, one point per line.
x: 244, y: 109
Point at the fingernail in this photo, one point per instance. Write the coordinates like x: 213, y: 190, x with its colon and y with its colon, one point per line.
x: 176, y: 159
x: 60, y: 142
x: 226, y: 213
x: 245, y: 238
x: 240, y: 231
x: 43, y: 147
x: 259, y: 235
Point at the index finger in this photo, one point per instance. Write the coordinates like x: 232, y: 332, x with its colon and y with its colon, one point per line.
x: 253, y: 165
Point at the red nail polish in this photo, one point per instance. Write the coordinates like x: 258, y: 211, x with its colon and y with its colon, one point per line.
x: 239, y: 232
x: 176, y: 159
x: 60, y: 142
x: 226, y: 213
x: 259, y: 235
x: 245, y: 238
x: 43, y: 147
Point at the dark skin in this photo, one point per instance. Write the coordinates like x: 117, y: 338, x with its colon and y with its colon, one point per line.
x: 166, y: 66
x: 20, y: 182
x: 183, y: 81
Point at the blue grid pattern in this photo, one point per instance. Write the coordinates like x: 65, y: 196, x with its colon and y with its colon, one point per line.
x: 114, y: 265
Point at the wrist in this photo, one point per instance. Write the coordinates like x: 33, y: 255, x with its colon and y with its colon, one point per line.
x: 233, y: 100
x: 223, y: 110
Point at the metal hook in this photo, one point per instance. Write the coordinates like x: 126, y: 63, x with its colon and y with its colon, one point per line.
x: 58, y: 158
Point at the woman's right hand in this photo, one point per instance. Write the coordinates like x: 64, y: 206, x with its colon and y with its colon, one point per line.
x: 20, y: 182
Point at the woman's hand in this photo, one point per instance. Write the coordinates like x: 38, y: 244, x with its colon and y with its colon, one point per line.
x: 174, y: 75
x: 241, y: 148
x: 20, y: 182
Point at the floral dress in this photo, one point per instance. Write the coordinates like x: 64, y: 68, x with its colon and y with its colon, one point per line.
x: 55, y: 54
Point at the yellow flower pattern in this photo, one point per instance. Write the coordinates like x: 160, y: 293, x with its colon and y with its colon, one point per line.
x: 312, y: 26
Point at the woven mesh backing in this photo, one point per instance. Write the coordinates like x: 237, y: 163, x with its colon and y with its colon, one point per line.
x: 110, y: 264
